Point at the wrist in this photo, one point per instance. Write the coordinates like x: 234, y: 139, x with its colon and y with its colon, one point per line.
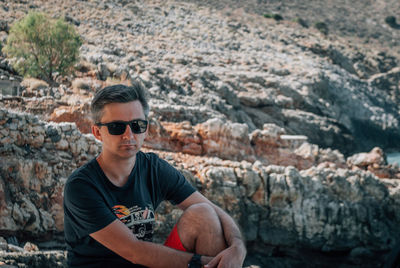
x: 205, y: 259
x: 195, y: 261
x: 239, y: 247
x: 235, y: 242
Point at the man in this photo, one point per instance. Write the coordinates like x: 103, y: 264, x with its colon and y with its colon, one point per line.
x: 109, y: 202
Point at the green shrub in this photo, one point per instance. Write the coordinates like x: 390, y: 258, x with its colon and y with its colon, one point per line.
x: 391, y: 21
x: 301, y: 21
x: 41, y: 46
x: 322, y: 27
x: 276, y: 17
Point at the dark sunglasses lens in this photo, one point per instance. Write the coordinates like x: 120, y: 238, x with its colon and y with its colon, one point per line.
x: 139, y: 126
x: 116, y: 128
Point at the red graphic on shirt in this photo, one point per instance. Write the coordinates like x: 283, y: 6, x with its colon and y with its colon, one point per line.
x: 121, y: 211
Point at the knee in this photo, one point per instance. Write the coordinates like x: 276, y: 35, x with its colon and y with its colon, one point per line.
x: 200, y: 225
x: 199, y: 214
x: 197, y: 218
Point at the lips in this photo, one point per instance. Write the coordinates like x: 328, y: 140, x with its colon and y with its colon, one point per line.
x: 128, y: 145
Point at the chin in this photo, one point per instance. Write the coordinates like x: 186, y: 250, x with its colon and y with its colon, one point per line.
x: 126, y: 154
x: 129, y: 153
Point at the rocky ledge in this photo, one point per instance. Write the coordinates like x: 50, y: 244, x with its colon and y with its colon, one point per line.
x: 336, y: 213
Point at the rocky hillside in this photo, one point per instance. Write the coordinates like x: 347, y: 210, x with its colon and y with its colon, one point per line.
x: 359, y: 21
x: 260, y: 114
x: 199, y: 63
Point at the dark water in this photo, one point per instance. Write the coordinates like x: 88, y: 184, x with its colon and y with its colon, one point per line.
x: 393, y: 158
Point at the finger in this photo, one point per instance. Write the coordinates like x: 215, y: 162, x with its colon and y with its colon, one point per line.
x: 213, y: 263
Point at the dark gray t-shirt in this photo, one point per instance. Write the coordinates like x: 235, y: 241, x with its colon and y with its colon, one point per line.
x: 91, y: 202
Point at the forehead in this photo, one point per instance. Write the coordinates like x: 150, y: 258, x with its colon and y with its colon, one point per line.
x: 122, y: 111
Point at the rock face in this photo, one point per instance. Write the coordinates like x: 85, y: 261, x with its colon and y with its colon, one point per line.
x: 36, y: 159
x: 49, y: 259
x: 232, y: 141
x: 283, y: 211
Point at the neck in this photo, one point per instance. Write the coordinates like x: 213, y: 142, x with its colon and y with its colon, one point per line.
x: 116, y: 170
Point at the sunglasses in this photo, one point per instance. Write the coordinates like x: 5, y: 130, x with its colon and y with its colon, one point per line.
x: 118, y: 127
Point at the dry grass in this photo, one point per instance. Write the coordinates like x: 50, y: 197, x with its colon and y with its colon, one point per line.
x: 32, y: 84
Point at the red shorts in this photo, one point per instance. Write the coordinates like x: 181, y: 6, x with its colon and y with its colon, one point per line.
x: 174, y: 241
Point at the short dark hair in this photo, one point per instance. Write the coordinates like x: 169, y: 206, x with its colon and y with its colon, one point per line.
x: 118, y: 94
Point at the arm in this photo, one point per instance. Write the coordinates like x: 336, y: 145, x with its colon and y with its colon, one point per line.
x: 118, y: 238
x: 234, y: 255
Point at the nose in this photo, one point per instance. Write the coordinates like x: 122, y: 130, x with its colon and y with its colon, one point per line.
x: 128, y: 134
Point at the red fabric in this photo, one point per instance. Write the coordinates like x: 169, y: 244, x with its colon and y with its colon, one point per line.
x: 174, y: 241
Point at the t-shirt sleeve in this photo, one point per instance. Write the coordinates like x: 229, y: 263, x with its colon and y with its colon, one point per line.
x: 85, y: 209
x: 173, y: 184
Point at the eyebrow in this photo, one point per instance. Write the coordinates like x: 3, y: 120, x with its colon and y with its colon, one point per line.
x: 116, y: 121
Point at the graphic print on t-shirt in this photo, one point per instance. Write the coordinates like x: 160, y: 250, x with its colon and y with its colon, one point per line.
x: 139, y: 220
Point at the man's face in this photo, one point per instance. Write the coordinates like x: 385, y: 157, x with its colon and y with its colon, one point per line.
x: 126, y: 145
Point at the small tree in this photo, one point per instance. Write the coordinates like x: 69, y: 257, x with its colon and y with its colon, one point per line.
x: 391, y: 21
x: 322, y: 27
x: 276, y: 17
x: 41, y: 46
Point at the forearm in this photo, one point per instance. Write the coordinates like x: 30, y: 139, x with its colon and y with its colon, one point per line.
x: 235, y: 253
x: 118, y: 238
x: 160, y: 256
x: 232, y: 234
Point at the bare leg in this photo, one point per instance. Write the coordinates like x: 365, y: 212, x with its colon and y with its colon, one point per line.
x: 200, y: 230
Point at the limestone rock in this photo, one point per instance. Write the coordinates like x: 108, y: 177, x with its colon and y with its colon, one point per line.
x: 32, y: 174
x: 30, y: 247
x: 375, y: 162
x: 225, y: 140
x: 375, y: 157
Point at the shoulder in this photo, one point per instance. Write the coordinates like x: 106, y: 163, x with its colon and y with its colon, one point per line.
x: 154, y: 162
x: 83, y: 182
x: 85, y: 172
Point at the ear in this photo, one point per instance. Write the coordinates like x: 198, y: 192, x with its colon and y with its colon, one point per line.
x: 96, y: 132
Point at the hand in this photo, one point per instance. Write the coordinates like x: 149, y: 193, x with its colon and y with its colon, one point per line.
x: 231, y: 257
